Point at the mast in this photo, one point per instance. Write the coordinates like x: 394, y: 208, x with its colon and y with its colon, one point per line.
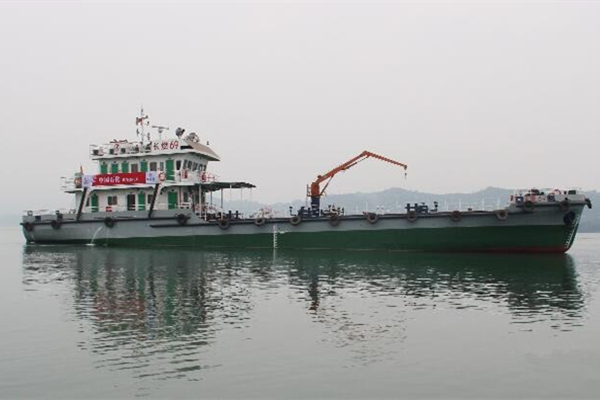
x: 141, y: 121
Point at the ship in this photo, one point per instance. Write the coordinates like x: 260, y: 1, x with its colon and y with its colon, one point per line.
x: 158, y: 191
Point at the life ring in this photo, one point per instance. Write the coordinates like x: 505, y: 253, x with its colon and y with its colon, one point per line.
x: 502, y: 215
x: 528, y: 206
x: 55, y: 224
x: 564, y: 205
x: 162, y: 176
x: 224, y: 223
x: 109, y: 222
x: 334, y: 220
x: 28, y: 226
x: 108, y: 208
x: 182, y: 219
x: 411, y: 216
x: 372, y: 218
x: 455, y: 216
x: 569, y: 218
x: 295, y: 220
x: 77, y: 182
x: 259, y: 221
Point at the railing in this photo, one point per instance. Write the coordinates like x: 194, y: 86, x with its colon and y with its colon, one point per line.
x: 124, y: 147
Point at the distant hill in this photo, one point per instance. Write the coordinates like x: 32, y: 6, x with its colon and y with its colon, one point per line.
x: 395, y: 199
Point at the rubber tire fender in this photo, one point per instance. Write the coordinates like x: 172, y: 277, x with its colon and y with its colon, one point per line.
x: 182, y: 219
x: 295, y: 220
x: 528, y: 206
x: 224, y: 224
x: 411, y: 216
x: 334, y: 220
x: 502, y: 215
x: 455, y: 216
x: 372, y: 218
x: 109, y: 222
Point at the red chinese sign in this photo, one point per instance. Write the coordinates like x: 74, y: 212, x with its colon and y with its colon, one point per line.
x: 131, y: 178
x: 165, y: 145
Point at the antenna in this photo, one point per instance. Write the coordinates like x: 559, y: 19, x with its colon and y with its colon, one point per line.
x: 141, y: 121
x: 160, y: 130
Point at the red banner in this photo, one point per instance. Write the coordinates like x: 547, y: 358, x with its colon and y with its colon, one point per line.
x: 131, y: 178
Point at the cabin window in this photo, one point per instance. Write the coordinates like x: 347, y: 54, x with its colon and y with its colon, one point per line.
x: 186, y: 197
x: 161, y: 166
x: 150, y: 197
x: 178, y: 165
x: 153, y: 166
x: 112, y: 200
x: 135, y: 167
x: 114, y: 168
x: 87, y: 202
x: 103, y: 168
x: 195, y: 166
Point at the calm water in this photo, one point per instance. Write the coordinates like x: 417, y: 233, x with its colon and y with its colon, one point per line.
x: 120, y: 323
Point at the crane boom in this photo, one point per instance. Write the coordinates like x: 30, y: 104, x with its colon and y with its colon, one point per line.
x: 316, y: 192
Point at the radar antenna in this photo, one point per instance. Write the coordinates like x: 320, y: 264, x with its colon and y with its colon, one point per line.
x: 160, y: 130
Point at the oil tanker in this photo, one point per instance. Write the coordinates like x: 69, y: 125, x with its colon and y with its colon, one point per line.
x: 157, y: 191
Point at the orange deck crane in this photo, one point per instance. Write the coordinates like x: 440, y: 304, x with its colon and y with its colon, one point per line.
x: 315, y: 192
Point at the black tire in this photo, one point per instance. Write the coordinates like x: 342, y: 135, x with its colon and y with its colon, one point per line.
x: 28, y: 226
x: 528, y: 206
x: 502, y: 215
x: 295, y: 220
x: 259, y: 221
x: 569, y: 218
x: 588, y: 202
x: 372, y: 218
x: 109, y: 222
x: 224, y: 224
x: 564, y: 205
x: 411, y: 216
x: 334, y: 220
x: 55, y: 224
x: 182, y: 219
x: 455, y: 216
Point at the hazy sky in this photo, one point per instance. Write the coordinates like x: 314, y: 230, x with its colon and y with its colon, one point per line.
x: 469, y: 94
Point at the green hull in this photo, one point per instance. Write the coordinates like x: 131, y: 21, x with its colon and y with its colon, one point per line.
x: 538, y: 238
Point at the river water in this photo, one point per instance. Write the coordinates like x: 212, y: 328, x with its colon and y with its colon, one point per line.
x: 95, y: 322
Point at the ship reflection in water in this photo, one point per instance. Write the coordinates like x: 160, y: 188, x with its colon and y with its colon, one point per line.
x: 159, y: 313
